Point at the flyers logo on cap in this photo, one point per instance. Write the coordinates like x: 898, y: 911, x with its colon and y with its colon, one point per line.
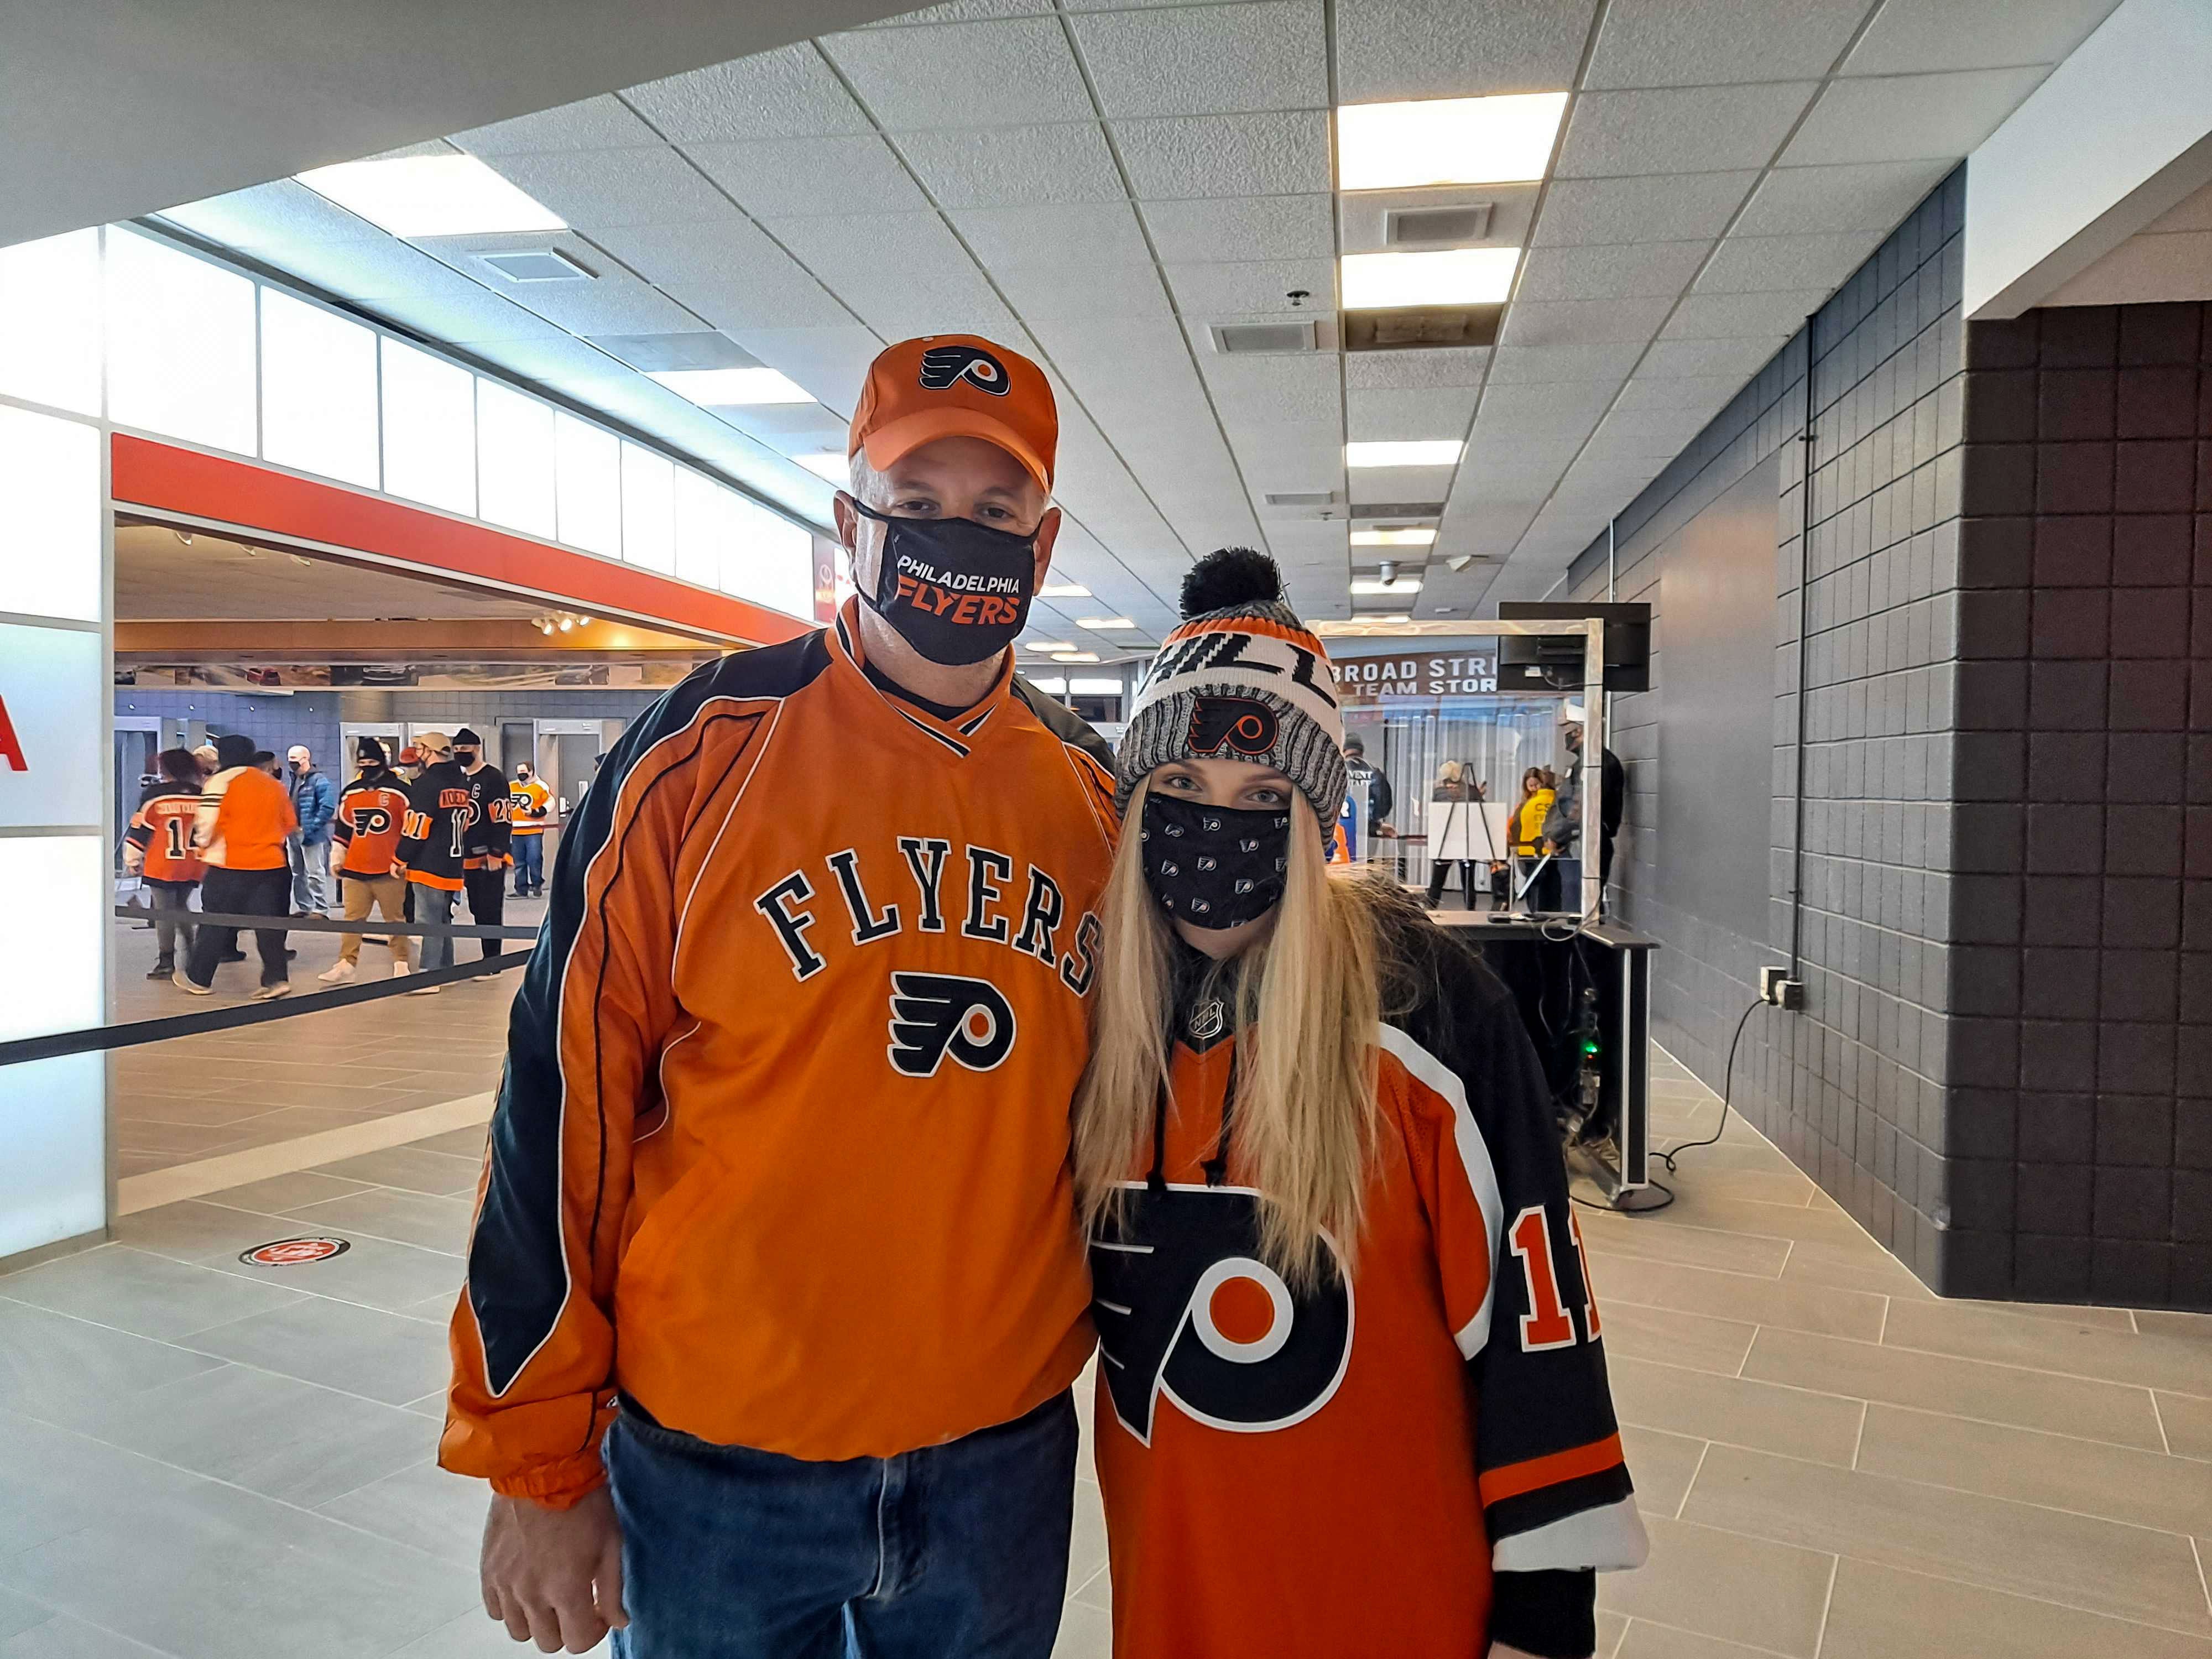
x: 942, y: 367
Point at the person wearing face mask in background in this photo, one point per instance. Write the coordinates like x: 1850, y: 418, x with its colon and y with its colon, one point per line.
x: 527, y: 803
x: 315, y: 803
x: 1304, y: 1098
x: 485, y: 844
x: 781, y: 1157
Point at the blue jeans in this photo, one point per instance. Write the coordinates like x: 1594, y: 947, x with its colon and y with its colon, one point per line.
x: 953, y: 1551
x: 529, y: 863
x: 434, y: 904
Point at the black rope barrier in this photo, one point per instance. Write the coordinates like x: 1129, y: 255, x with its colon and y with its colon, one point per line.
x: 322, y: 924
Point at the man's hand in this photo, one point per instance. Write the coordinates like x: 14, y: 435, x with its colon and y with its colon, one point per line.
x: 553, y: 1577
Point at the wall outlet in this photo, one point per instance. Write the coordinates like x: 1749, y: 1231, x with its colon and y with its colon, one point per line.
x: 1776, y: 987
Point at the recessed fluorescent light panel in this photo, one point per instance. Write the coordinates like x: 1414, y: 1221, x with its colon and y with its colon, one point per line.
x: 729, y: 388
x: 1047, y: 647
x: 1446, y: 141
x: 1095, y: 688
x: 431, y: 196
x: 1103, y: 624
x: 1418, y: 536
x: 1450, y: 276
x: 1423, y: 451
x: 1075, y: 656
x: 828, y: 463
x: 1063, y: 591
x: 1404, y: 586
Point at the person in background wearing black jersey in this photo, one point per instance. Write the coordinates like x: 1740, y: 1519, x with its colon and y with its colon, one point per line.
x: 485, y: 852
x: 432, y: 844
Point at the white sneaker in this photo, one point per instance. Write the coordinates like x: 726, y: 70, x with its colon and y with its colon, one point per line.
x: 400, y: 970
x: 182, y: 983
x: 338, y: 973
x: 427, y: 991
x: 270, y: 993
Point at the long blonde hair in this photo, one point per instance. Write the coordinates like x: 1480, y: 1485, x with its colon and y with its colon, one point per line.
x: 1309, y: 1010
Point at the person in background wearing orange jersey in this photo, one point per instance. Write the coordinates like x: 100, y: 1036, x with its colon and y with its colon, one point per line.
x: 160, y: 846
x: 1353, y: 1397
x: 775, y: 1292
x: 244, y: 820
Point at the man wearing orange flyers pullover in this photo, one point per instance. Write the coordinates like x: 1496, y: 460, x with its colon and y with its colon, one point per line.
x: 775, y: 1290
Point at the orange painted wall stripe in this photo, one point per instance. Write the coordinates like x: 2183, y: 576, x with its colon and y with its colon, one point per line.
x: 159, y: 476
x: 1517, y: 1478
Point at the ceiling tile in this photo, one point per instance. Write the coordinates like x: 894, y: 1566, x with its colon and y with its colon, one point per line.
x: 446, y: 305
x: 1287, y: 388
x: 367, y: 270
x: 964, y: 74
x: 728, y: 270
x: 1382, y: 416
x: 593, y: 188
x: 1708, y: 393
x: 1665, y: 43
x: 1592, y: 322
x: 789, y: 93
x: 1679, y: 129
x: 829, y: 362
x: 1800, y: 201
x: 1638, y: 427
x: 1455, y: 49
x: 1378, y: 371
x: 1399, y: 484
x: 1541, y: 365
x: 609, y: 305
x: 1289, y: 455
x: 1666, y: 359
x: 601, y: 123
x: 1013, y: 167
x: 1542, y: 413
x: 1041, y: 293
x: 1243, y: 228
x: 1245, y: 287
x: 967, y: 11
x: 1909, y: 117
x: 1274, y: 153
x: 1911, y: 35
x: 1751, y: 264
x: 1206, y: 60
x: 1058, y: 235
x: 282, y: 214
x: 790, y: 176
x: 1682, y: 208
x: 1723, y: 316
x: 1609, y: 272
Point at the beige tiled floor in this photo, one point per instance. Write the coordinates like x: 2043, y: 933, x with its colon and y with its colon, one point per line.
x: 198, y: 1097
x: 197, y: 1458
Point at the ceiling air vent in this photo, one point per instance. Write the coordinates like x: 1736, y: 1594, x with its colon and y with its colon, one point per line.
x: 536, y: 264
x: 1366, y: 513
x: 1241, y: 339
x: 1300, y: 497
x: 1436, y: 226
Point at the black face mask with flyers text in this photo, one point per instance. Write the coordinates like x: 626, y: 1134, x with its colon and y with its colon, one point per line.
x: 957, y: 591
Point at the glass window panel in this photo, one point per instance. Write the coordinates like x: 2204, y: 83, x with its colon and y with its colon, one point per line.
x: 50, y: 321
x: 53, y: 1182
x: 587, y: 484
x: 515, y: 459
x: 318, y: 390
x: 180, y: 348
x: 648, y: 509
x: 769, y: 561
x: 430, y: 429
x: 50, y: 540
x: 704, y: 521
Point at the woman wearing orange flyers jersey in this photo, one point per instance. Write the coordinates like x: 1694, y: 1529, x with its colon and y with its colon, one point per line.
x: 1352, y: 1394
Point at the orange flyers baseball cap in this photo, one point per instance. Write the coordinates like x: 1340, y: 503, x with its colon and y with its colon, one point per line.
x: 956, y: 385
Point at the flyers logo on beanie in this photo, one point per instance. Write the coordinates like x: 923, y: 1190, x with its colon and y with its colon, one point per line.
x: 944, y: 366
x: 1238, y: 724
x: 1185, y: 1308
x: 934, y: 1015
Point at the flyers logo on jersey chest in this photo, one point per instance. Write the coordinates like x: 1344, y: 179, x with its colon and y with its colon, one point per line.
x: 973, y: 892
x: 1187, y: 1309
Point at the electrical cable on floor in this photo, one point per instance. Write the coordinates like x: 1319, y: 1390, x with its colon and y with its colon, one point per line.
x: 1668, y: 1156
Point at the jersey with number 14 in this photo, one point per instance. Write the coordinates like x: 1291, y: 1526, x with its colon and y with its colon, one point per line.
x: 161, y: 830
x: 787, y: 1082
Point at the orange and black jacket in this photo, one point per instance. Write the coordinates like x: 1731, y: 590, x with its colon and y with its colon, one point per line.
x: 161, y: 830
x: 484, y: 847
x: 1416, y: 1457
x: 243, y: 819
x: 785, y: 1101
x: 433, y: 837
x: 372, y: 811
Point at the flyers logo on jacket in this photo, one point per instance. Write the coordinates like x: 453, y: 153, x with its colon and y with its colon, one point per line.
x: 1185, y: 1308
x: 934, y: 1015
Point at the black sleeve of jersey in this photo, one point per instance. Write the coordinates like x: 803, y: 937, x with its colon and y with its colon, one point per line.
x: 1552, y: 1615
x: 1555, y: 1492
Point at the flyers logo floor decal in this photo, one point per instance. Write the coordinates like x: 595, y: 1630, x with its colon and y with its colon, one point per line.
x: 941, y: 366
x: 934, y: 1015
x: 1185, y: 1308
x: 294, y: 1252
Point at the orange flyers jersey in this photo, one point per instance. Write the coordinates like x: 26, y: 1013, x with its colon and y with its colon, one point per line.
x: 161, y: 830
x: 243, y: 820
x: 787, y: 1084
x: 525, y: 807
x: 371, y: 813
x: 1349, y: 1468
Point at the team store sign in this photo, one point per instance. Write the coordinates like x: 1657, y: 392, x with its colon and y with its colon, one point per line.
x: 1460, y: 674
x: 53, y: 748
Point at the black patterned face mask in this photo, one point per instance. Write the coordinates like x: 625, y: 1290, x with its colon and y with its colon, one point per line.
x: 1214, y: 866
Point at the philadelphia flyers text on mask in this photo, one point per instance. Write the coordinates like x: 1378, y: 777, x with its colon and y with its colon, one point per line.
x: 957, y: 591
x: 1213, y: 866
